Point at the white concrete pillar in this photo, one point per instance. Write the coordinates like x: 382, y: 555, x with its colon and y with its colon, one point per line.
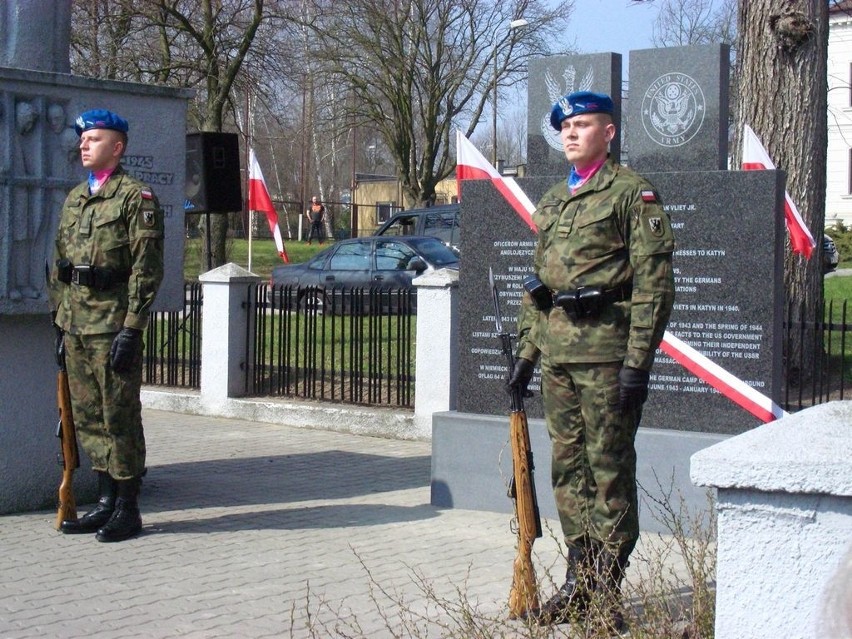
x: 224, y: 326
x: 437, y: 347
x: 784, y: 504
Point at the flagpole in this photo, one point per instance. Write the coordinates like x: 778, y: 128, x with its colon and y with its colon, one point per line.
x: 248, y: 151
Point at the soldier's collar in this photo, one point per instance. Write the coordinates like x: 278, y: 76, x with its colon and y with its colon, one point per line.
x: 111, y: 186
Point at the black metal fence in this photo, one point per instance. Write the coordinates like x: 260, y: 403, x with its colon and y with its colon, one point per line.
x: 357, y: 346
x: 342, y: 345
x: 829, y: 340
x: 173, y: 344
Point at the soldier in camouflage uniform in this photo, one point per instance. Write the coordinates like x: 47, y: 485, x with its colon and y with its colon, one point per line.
x: 595, y: 314
x: 107, y: 269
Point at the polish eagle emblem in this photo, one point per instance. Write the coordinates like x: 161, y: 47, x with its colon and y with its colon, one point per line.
x: 557, y: 92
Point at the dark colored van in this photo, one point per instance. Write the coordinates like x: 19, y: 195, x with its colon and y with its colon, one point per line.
x: 441, y: 222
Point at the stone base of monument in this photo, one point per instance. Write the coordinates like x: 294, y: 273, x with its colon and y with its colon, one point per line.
x: 472, y: 466
x: 40, y: 163
x: 30, y: 472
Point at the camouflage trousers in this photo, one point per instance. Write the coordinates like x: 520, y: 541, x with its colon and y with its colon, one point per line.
x: 106, y: 406
x: 593, y: 457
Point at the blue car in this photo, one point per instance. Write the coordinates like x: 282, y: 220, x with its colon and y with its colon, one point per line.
x: 379, y: 264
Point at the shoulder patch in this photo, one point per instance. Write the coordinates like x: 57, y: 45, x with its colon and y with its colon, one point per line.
x: 656, y: 226
x: 649, y: 195
x: 146, y: 194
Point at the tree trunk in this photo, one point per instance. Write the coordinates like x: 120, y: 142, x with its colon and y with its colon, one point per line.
x: 782, y: 61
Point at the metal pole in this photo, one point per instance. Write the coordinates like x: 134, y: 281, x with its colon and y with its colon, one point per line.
x: 514, y: 24
x: 248, y: 169
x: 353, y: 222
x: 302, y: 176
x: 494, y: 112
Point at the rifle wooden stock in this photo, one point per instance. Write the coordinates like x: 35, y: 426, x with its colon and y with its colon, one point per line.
x: 66, y: 431
x: 523, y: 597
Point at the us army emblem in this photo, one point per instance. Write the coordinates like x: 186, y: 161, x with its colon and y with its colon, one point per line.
x: 656, y: 225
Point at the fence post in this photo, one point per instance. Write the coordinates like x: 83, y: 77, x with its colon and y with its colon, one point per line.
x: 224, y: 326
x: 436, y: 373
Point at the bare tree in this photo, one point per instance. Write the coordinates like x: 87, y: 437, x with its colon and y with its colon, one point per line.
x: 414, y: 69
x: 202, y: 44
x: 102, y: 35
x: 684, y: 22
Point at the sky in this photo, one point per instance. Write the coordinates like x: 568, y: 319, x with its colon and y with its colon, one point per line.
x: 612, y: 25
x: 598, y: 26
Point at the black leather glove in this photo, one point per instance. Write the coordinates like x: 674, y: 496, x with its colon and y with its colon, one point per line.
x: 632, y: 387
x: 124, y: 349
x: 521, y: 375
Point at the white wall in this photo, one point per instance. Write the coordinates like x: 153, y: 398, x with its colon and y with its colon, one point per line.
x: 838, y: 199
x: 784, y: 506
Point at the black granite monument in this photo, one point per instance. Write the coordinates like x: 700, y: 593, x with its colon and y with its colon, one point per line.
x: 728, y: 273
x: 678, y: 109
x: 729, y: 246
x: 551, y: 78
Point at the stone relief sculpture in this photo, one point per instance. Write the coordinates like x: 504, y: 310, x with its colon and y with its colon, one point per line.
x: 25, y: 219
x: 63, y: 145
x: 5, y: 217
x: 38, y: 158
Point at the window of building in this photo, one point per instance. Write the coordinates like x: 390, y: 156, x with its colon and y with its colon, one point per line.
x: 849, y: 173
x: 384, y: 211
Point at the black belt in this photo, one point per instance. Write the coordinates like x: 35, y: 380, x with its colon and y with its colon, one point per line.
x: 96, y: 277
x: 589, y: 301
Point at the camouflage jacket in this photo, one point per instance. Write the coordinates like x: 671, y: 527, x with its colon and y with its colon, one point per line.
x: 119, y: 228
x: 612, y: 232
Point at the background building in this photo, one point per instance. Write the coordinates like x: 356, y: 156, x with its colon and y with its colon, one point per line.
x: 838, y: 191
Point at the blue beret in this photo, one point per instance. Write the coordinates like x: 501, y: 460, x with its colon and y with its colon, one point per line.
x: 100, y: 119
x: 578, y: 103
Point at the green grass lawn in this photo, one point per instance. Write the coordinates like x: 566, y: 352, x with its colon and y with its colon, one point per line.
x: 264, y: 256
x: 838, y: 288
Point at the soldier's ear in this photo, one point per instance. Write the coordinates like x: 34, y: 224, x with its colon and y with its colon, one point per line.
x: 119, y: 148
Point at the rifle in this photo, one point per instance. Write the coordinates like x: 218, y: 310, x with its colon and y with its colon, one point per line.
x: 70, y: 459
x: 523, y: 597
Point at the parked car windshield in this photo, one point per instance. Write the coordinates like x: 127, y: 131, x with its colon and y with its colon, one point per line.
x: 435, y: 251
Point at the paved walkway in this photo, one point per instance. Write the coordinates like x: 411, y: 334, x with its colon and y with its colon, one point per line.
x: 259, y: 530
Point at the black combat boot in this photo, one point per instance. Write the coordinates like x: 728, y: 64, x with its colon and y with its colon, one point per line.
x: 126, y: 521
x: 571, y: 599
x: 100, y: 514
x: 608, y: 574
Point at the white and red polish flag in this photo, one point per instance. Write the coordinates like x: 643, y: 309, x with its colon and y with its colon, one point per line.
x: 259, y: 200
x: 471, y: 165
x: 755, y: 158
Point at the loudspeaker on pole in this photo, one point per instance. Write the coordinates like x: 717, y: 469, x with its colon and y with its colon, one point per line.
x: 213, y: 183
